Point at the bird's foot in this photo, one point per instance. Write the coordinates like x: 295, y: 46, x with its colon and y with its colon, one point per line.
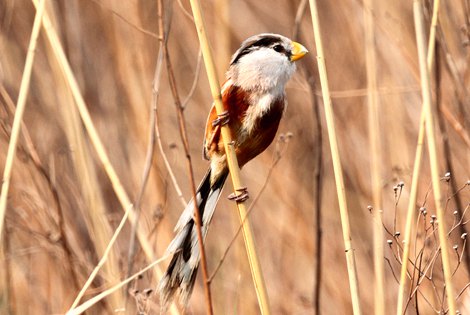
x: 222, y: 119
x: 241, y: 195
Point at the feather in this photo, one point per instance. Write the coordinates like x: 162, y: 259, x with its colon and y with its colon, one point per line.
x: 183, y: 267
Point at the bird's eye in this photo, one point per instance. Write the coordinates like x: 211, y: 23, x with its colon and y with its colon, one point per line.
x: 278, y: 48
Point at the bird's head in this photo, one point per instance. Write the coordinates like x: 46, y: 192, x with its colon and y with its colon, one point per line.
x: 265, y: 61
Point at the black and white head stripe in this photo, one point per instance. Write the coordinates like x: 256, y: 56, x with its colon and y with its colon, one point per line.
x: 277, y: 42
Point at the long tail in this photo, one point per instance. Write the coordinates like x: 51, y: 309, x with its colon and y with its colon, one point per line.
x: 182, y: 270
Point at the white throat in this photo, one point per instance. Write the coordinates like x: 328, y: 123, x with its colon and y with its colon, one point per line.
x: 262, y: 70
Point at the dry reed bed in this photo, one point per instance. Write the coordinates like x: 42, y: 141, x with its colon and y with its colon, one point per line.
x: 45, y: 262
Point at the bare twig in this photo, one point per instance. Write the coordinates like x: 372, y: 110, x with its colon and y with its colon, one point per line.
x: 196, y: 78
x: 137, y: 27
x: 167, y: 163
x: 184, y: 139
x: 148, y: 161
x: 448, y: 152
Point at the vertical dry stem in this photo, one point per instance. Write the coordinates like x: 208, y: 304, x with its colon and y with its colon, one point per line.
x: 376, y: 161
x: 20, y: 107
x: 351, y: 262
x: 416, y: 171
x: 95, y: 140
x: 232, y: 161
x: 430, y: 136
x: 184, y: 139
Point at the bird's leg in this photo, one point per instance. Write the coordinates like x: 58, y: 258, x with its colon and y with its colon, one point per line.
x: 240, y: 196
x: 222, y: 119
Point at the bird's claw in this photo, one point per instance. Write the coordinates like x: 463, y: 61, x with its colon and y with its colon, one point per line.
x: 241, y: 195
x: 222, y: 119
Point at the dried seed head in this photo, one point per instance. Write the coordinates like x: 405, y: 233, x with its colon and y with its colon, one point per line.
x: 397, y: 234
x: 401, y: 184
x: 389, y: 242
x: 446, y: 176
x: 456, y: 213
x: 423, y: 211
x: 369, y: 208
x: 463, y: 236
x: 433, y: 217
x: 455, y: 247
x: 395, y: 188
x: 468, y: 182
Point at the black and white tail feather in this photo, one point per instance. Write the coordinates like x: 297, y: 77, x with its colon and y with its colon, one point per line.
x: 182, y: 270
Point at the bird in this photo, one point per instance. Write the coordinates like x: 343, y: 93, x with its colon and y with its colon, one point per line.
x: 254, y: 101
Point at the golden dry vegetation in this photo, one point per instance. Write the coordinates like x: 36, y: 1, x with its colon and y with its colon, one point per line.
x: 62, y: 208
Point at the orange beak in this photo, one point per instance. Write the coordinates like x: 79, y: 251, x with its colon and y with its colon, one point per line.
x: 298, y: 51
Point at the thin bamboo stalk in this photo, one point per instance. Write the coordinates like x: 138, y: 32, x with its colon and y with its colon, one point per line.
x: 376, y: 159
x: 232, y: 161
x: 431, y: 140
x: 20, y: 108
x: 349, y: 250
x: 416, y: 170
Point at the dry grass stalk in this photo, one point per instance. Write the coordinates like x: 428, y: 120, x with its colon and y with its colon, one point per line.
x: 185, y: 141
x: 88, y: 183
x: 376, y: 158
x: 95, y: 140
x: 416, y: 170
x: 114, y: 63
x: 102, y: 261
x: 20, y: 107
x: 430, y: 136
x: 118, y: 188
x: 411, y: 213
x: 349, y: 250
x: 83, y: 307
x: 232, y: 162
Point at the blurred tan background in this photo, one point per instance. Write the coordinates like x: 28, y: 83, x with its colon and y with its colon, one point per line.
x: 62, y: 212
